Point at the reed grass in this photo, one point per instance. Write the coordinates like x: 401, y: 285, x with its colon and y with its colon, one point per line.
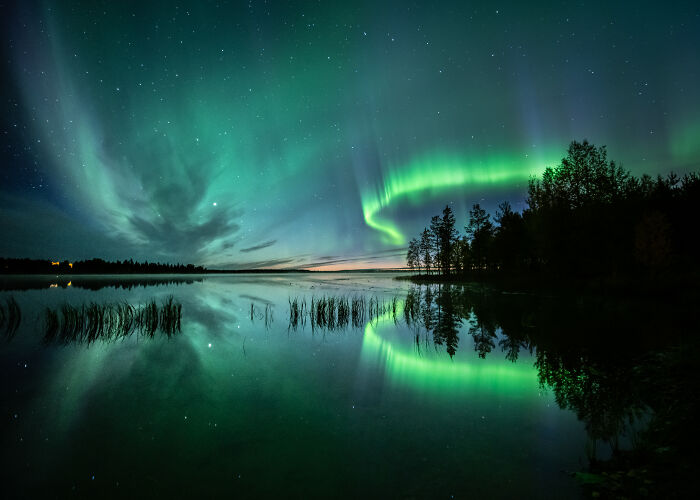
x: 339, y: 312
x: 10, y: 317
x: 92, y: 322
x: 298, y: 311
x: 264, y: 314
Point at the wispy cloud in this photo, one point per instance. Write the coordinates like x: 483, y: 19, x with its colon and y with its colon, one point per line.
x: 259, y: 247
x: 258, y: 264
x: 374, y: 256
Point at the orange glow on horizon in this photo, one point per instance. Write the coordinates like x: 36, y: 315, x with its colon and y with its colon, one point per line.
x: 359, y: 265
x: 55, y: 263
x: 71, y: 265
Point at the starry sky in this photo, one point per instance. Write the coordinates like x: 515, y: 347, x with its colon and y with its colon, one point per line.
x: 318, y: 135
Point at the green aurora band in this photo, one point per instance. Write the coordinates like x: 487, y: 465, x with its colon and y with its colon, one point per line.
x: 435, y: 174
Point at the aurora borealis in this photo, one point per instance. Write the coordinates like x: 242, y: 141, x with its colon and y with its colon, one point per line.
x: 317, y: 135
x: 437, y: 174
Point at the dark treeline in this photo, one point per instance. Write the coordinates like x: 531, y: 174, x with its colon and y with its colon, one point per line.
x: 93, y: 266
x: 587, y: 218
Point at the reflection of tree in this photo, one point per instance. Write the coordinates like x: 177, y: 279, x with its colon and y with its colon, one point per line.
x: 483, y: 324
x: 511, y: 346
x: 602, y: 393
x: 483, y: 334
x: 426, y: 310
x: 603, y: 359
x: 448, y: 321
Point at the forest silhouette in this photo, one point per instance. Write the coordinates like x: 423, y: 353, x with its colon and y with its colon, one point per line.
x: 587, y: 220
x: 93, y: 266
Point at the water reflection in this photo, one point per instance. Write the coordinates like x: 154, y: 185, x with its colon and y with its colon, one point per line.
x: 596, y: 379
x: 440, y: 375
x: 91, y: 282
x: 482, y: 373
x: 591, y: 362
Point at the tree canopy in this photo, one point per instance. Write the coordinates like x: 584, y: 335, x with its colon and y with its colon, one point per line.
x: 586, y: 217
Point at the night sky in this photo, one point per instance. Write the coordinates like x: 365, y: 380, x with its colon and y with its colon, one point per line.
x: 255, y: 134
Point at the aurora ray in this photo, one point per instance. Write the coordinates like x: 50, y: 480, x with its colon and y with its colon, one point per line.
x: 431, y: 175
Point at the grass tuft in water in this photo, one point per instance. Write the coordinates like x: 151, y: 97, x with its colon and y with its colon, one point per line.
x: 10, y: 318
x: 92, y: 322
x: 339, y: 312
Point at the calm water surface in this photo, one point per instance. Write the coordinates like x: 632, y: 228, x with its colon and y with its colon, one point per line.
x: 244, y: 403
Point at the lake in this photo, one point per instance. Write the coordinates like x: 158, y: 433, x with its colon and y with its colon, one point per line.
x: 385, y: 389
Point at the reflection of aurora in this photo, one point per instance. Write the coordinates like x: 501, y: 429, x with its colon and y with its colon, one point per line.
x: 440, y: 172
x: 406, y: 367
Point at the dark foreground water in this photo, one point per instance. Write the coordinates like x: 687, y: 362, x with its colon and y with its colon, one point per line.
x: 434, y: 392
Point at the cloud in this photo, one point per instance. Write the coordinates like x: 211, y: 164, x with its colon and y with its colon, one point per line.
x: 259, y: 247
x: 258, y: 264
x: 379, y: 255
x: 184, y: 239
